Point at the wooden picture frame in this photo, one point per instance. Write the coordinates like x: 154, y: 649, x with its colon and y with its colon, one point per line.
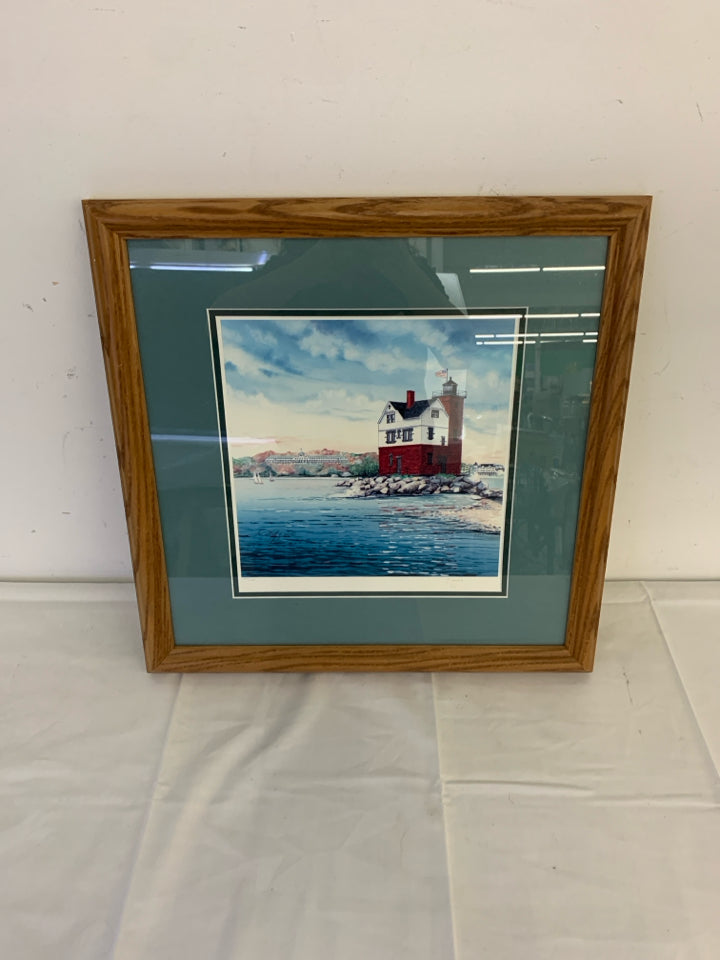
x: 116, y: 226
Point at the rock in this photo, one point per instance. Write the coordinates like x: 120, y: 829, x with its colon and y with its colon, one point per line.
x: 407, y: 486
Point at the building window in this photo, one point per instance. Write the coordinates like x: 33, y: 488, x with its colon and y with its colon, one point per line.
x: 435, y: 414
x: 431, y: 433
x: 390, y: 436
x: 442, y: 440
x: 390, y: 461
x: 390, y: 418
x: 407, y: 434
x: 428, y: 458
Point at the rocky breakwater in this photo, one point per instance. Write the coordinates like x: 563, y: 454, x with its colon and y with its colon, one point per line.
x: 482, y: 509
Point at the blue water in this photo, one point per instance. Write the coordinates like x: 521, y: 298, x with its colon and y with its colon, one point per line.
x: 301, y: 527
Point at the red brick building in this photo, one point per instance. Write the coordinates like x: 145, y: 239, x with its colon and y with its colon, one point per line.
x: 422, y: 437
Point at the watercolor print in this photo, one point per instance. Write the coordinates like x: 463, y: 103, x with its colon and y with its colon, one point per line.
x: 367, y: 454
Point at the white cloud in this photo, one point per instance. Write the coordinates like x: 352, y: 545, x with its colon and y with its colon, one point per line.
x: 245, y: 362
x: 319, y: 344
x: 487, y: 440
x: 265, y: 337
x: 296, y: 426
x: 337, y: 402
x: 384, y: 360
x: 491, y: 387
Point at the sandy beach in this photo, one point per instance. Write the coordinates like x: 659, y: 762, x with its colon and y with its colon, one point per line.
x: 476, y: 513
x: 482, y: 514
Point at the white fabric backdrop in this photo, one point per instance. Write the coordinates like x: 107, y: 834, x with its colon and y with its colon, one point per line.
x: 267, y: 817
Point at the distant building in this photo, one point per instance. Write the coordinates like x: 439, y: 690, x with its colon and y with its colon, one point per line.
x: 487, y: 470
x: 422, y: 437
x: 301, y: 457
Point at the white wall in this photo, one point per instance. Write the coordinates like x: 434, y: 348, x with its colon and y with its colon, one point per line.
x: 292, y: 97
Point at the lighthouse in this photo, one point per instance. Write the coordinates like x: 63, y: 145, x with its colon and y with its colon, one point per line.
x: 422, y: 437
x: 454, y: 403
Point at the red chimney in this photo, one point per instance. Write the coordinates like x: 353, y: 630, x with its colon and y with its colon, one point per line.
x: 410, y: 398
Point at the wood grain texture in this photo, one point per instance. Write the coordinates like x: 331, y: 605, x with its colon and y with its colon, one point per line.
x: 611, y: 381
x: 624, y: 220
x: 371, y: 657
x: 121, y: 352
x: 371, y: 217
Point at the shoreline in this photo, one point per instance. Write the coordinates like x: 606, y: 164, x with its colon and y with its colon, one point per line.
x: 484, y: 511
x: 486, y: 516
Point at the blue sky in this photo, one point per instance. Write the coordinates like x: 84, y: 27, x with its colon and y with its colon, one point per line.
x: 308, y: 382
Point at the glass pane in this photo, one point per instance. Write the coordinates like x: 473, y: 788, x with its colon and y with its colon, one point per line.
x: 369, y: 440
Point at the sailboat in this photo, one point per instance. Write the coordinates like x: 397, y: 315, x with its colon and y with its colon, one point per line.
x: 257, y: 478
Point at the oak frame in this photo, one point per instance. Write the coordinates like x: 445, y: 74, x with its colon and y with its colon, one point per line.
x: 110, y: 223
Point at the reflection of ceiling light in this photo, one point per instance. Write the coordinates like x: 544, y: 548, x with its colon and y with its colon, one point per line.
x: 589, y: 314
x: 219, y: 267
x: 587, y: 333
x: 504, y: 270
x: 587, y: 267
x: 496, y: 316
x: 220, y: 261
x: 564, y: 269
x: 563, y: 334
x: 506, y: 339
x: 554, y: 316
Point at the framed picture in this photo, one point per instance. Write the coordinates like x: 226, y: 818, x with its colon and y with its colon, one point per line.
x: 368, y: 434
